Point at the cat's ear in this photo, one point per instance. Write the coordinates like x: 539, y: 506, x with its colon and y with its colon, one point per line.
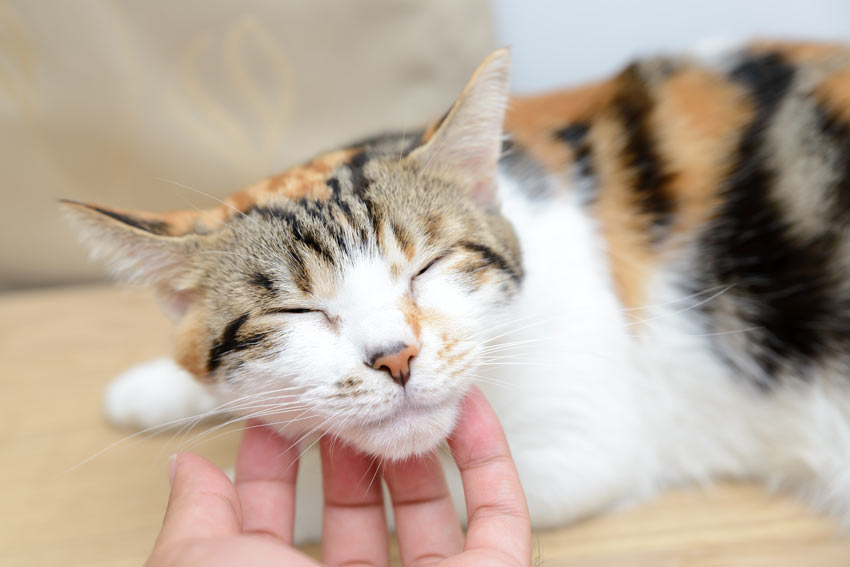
x: 468, y: 140
x: 141, y: 247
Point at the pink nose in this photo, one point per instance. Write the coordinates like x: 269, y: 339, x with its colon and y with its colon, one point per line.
x: 396, y: 362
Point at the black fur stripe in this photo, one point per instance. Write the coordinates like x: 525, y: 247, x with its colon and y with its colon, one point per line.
x: 531, y: 177
x: 230, y: 342
x: 298, y: 271
x: 633, y: 105
x: 576, y: 136
x: 360, y: 188
x: 155, y: 227
x: 492, y: 258
x: 308, y: 239
x: 781, y: 281
x: 295, y: 261
x: 359, y: 181
x: 401, y: 234
x: 301, y: 233
x: 262, y: 280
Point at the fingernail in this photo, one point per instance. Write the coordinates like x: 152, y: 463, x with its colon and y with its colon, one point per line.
x: 172, y: 468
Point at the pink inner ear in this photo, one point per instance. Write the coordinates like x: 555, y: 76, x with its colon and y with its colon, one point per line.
x: 484, y: 193
x: 174, y: 302
x: 481, y: 166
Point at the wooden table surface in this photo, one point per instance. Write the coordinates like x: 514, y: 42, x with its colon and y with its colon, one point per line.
x: 72, y: 497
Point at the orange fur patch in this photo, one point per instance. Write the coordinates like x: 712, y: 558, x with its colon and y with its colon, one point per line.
x: 412, y: 314
x: 624, y: 229
x: 533, y: 120
x: 189, y: 351
x: 697, y: 119
x: 186, y: 222
x: 300, y: 183
x: 834, y: 92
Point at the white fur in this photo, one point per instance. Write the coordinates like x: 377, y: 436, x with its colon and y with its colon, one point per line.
x: 568, y: 404
x: 707, y: 423
x: 154, y: 394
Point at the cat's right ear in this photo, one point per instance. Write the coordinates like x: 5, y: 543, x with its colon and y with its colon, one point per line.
x: 141, y: 247
x: 467, y: 142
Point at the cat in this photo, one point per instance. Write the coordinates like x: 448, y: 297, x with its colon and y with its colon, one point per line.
x: 648, y: 276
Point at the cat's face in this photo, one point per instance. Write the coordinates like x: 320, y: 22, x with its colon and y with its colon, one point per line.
x: 364, y: 310
x: 353, y: 295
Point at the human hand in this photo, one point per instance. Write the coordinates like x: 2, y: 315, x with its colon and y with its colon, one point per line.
x: 211, y: 521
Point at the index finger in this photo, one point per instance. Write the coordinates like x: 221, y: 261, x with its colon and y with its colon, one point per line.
x: 203, y: 503
x: 266, y: 470
x: 496, y: 508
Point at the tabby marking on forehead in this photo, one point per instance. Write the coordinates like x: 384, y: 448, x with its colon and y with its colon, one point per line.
x: 262, y: 280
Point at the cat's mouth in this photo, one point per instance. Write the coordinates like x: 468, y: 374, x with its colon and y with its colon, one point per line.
x: 408, y: 430
x: 406, y: 410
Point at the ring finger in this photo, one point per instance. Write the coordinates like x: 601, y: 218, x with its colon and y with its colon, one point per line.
x: 426, y: 521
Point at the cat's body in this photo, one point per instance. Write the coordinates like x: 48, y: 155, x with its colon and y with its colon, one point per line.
x: 652, y: 288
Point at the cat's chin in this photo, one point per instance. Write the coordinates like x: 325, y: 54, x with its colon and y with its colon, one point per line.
x: 408, y: 433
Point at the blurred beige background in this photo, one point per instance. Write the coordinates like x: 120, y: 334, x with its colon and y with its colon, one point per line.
x: 126, y: 102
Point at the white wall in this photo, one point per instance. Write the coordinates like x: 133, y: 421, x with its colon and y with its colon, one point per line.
x: 569, y: 41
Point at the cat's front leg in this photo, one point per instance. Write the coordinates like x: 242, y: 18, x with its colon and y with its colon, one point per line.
x: 155, y: 394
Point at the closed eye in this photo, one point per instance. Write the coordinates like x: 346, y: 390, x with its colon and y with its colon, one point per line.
x: 430, y: 264
x: 292, y: 310
x: 300, y: 311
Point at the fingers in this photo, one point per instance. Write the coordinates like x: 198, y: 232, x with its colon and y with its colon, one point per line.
x: 266, y: 470
x: 496, y: 506
x: 203, y: 503
x: 354, y: 522
x: 426, y: 521
x: 230, y: 551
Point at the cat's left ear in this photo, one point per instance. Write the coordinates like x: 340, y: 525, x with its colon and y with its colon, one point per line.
x: 468, y: 140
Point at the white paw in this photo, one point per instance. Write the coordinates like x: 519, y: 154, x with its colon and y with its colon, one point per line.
x: 155, y: 393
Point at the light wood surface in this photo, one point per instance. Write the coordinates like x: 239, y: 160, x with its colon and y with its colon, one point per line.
x: 71, y: 498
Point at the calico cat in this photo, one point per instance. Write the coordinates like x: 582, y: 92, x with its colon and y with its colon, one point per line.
x: 648, y: 276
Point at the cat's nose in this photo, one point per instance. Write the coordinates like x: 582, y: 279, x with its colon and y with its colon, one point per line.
x: 395, y: 360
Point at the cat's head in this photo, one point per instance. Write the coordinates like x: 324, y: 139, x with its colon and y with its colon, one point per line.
x: 352, y: 295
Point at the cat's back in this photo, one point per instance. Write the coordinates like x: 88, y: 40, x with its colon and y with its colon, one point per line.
x: 727, y: 174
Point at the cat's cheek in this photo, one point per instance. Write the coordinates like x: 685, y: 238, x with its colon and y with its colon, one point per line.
x: 462, y: 308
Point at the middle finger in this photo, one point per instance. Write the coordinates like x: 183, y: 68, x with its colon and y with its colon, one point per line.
x: 426, y: 521
x: 354, y: 523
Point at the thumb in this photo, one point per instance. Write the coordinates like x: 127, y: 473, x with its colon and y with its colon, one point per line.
x: 203, y: 502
